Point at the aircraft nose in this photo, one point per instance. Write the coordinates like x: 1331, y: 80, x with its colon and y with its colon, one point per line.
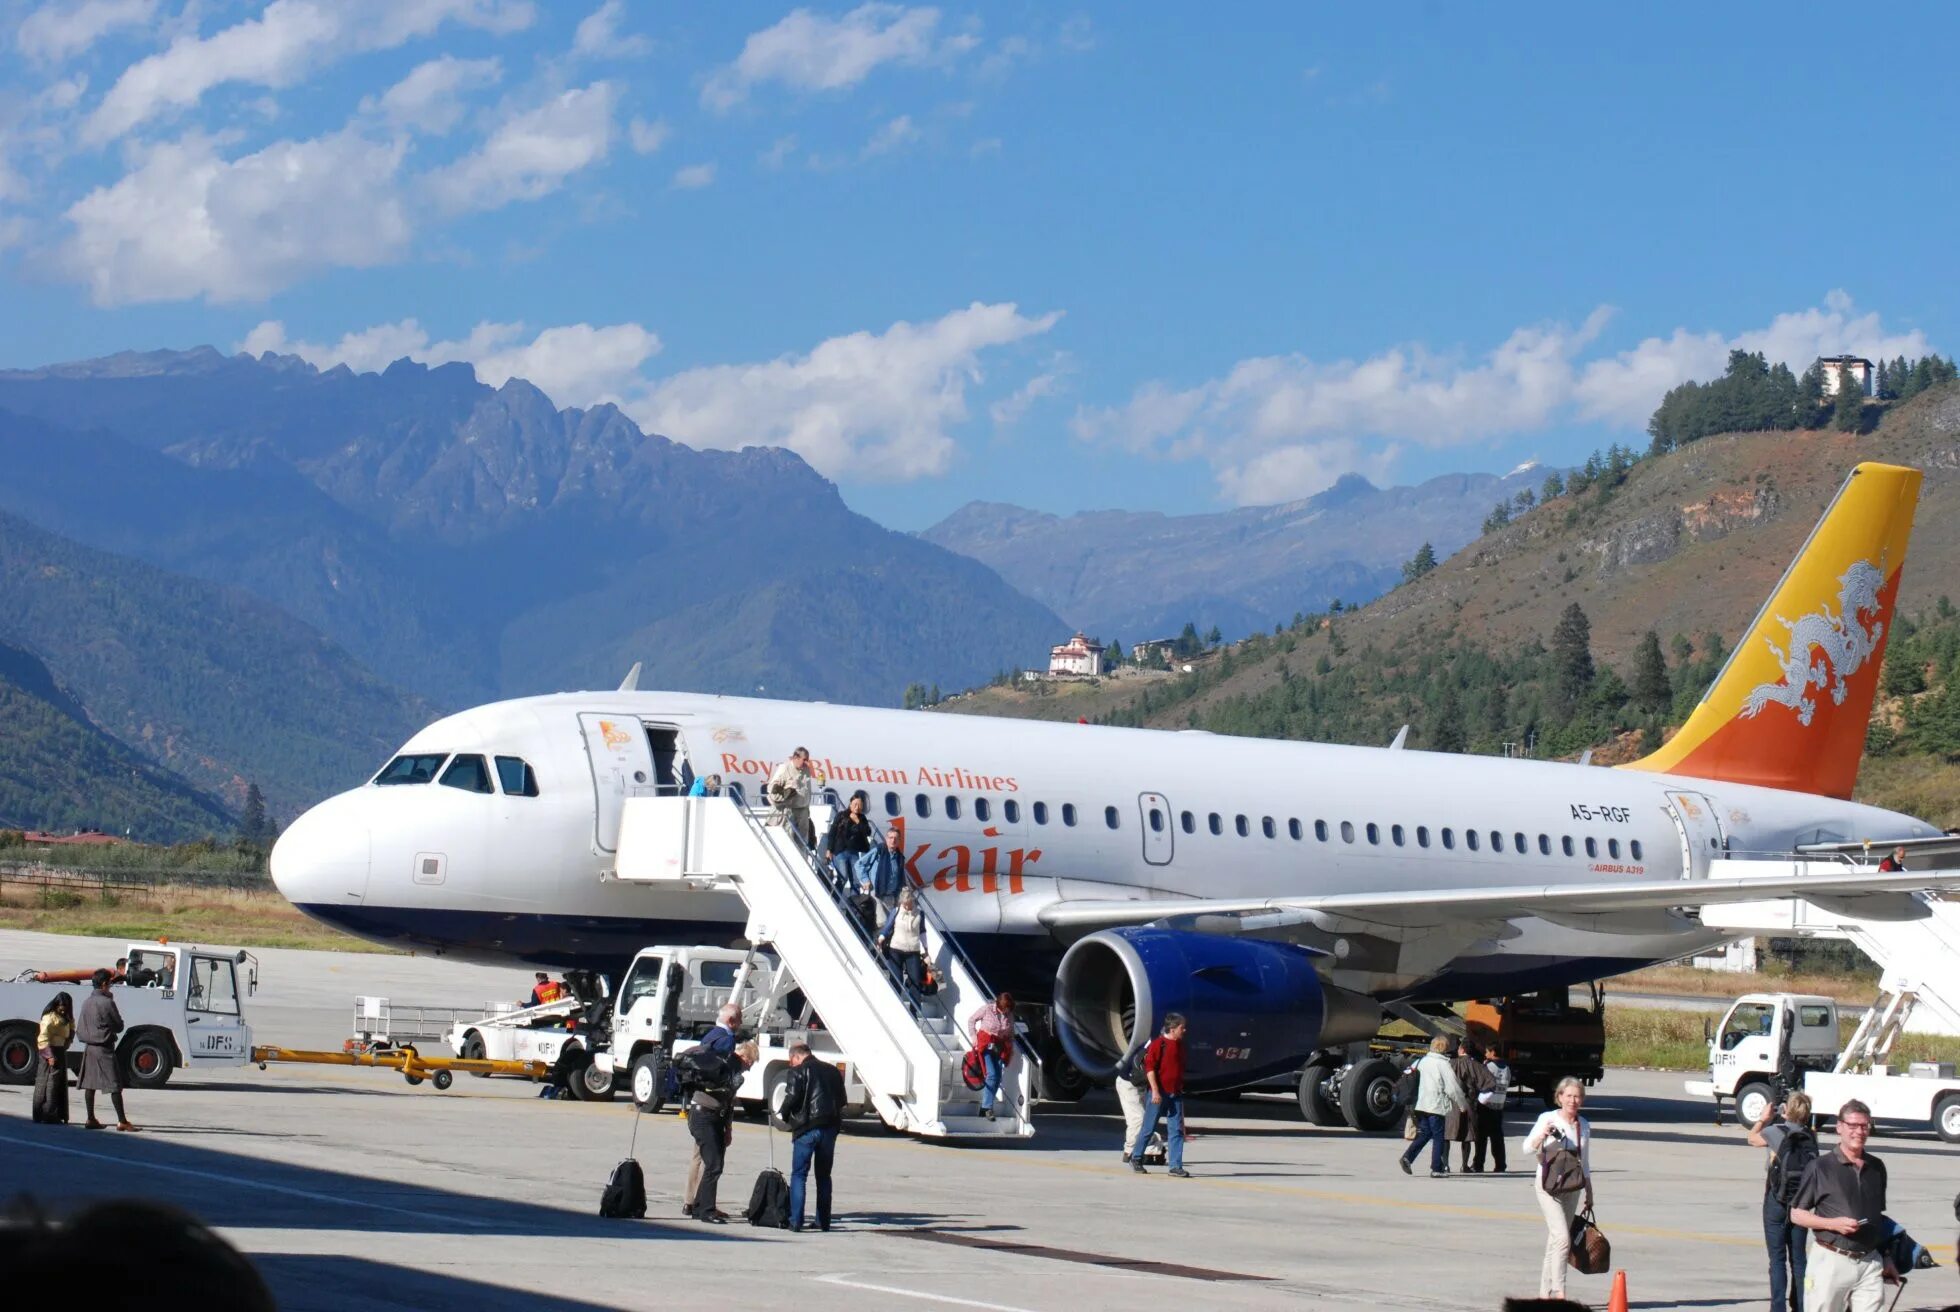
x: 322, y: 858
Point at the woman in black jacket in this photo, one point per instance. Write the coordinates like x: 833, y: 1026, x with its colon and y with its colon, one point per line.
x: 850, y: 838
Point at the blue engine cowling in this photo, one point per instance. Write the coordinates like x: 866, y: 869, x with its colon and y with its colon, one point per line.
x: 1255, y: 1008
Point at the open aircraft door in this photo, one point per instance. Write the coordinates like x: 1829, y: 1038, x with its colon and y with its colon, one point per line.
x: 1700, y: 829
x: 622, y: 762
x: 1159, y: 837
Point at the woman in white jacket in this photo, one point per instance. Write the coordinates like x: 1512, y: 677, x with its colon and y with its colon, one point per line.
x: 1562, y: 1127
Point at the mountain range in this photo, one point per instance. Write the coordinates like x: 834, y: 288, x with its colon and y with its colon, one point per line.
x: 1139, y: 575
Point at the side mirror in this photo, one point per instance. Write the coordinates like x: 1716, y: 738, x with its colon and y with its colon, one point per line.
x: 1707, y: 1030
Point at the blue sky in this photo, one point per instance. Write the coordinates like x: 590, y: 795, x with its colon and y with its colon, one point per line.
x: 1156, y: 256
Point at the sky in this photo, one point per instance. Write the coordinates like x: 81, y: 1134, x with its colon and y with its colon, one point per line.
x: 1165, y: 257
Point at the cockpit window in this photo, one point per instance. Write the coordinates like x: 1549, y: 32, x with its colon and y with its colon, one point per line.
x: 411, y: 769
x: 517, y: 776
x: 467, y: 773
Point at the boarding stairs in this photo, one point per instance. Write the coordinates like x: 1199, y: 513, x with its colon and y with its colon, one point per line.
x: 907, y: 1049
x: 1913, y: 937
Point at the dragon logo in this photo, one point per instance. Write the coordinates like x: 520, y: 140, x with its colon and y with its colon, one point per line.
x: 1825, y: 650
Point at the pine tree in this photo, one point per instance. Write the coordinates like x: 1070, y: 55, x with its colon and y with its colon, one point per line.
x: 1848, y: 413
x: 1572, y: 656
x: 1446, y: 722
x: 1213, y: 637
x: 1419, y: 564
x: 254, y: 828
x: 1554, y: 487
x: 1497, y: 711
x: 1651, y: 688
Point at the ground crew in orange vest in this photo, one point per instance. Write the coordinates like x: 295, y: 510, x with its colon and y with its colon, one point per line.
x: 545, y: 991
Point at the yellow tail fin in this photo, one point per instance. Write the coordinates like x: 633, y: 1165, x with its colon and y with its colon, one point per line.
x: 1790, y: 707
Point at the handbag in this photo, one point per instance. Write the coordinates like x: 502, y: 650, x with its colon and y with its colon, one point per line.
x: 1591, y: 1254
x: 1565, y: 1171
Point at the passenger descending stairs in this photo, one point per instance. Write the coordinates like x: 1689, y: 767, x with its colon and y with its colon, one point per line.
x: 1918, y: 958
x: 907, y: 1050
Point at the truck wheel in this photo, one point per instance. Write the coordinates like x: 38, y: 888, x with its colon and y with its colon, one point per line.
x: 147, y: 1058
x: 1315, y: 1105
x: 773, y: 1089
x: 650, y: 1081
x: 590, y: 1084
x: 1059, y: 1079
x: 1368, y: 1095
x: 442, y: 1080
x: 473, y: 1051
x: 17, y: 1053
x: 1946, y: 1117
x: 1751, y: 1101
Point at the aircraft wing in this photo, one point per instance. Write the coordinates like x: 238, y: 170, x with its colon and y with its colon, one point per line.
x: 1420, y: 908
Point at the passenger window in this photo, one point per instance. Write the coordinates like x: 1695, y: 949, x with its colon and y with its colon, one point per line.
x: 1320, y: 830
x: 1187, y: 822
x: 1217, y: 826
x: 1613, y: 848
x: 411, y: 769
x: 1449, y: 839
x: 1544, y: 845
x: 1592, y: 847
x: 1633, y: 848
x: 1422, y: 835
x: 1109, y: 816
x: 1156, y: 820
x: 1470, y: 839
x: 467, y: 773
x: 1041, y: 813
x: 892, y: 806
x: 1813, y: 1016
x: 1496, y: 841
x: 1518, y: 844
x: 952, y: 807
x: 1068, y: 813
x: 1565, y: 844
x: 1010, y: 811
x: 1293, y: 829
x: 517, y: 777
x: 1395, y: 832
x: 1347, y: 831
x: 922, y: 806
x: 1267, y: 827
x: 1374, y: 833
x: 1239, y: 824
x: 983, y: 810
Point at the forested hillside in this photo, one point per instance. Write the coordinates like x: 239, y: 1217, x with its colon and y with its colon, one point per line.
x: 1595, y: 617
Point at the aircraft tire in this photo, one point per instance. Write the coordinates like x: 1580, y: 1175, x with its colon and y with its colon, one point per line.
x: 1368, y: 1096
x: 1059, y: 1079
x: 1315, y: 1106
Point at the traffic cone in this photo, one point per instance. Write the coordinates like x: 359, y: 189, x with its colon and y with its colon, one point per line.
x: 1618, y: 1302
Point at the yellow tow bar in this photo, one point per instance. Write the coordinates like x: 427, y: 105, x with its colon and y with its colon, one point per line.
x: 414, y: 1067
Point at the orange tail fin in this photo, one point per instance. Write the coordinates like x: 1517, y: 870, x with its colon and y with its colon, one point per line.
x: 1790, y: 707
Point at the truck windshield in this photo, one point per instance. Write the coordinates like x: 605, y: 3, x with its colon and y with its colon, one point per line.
x: 1748, y: 1018
x: 214, y: 986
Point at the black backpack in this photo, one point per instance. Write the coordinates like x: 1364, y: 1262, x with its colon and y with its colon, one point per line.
x: 698, y: 1068
x: 626, y: 1192
x: 1794, y: 1155
x: 769, y: 1201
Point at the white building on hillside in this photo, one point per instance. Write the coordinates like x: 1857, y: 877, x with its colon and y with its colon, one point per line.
x: 1076, y: 656
x: 1837, y: 368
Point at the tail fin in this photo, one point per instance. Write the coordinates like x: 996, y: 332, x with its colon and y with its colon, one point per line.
x: 1790, y: 707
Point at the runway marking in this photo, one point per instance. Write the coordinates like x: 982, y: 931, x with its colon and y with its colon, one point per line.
x: 308, y: 1194
x: 918, y: 1294
x: 1020, y: 1249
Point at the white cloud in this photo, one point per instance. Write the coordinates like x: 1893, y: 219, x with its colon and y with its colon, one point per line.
x: 868, y: 406
x: 892, y: 136
x: 287, y: 41
x: 694, y: 177
x: 531, y: 153
x: 431, y: 98
x: 809, y: 52
x: 598, y: 35
x: 574, y: 364
x: 1012, y: 408
x: 648, y: 137
x: 779, y: 151
x: 186, y: 222
x: 1275, y: 428
x: 60, y: 30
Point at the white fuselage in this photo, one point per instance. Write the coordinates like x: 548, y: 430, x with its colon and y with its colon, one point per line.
x: 1002, y: 817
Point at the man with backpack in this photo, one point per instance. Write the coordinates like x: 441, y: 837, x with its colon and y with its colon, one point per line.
x: 710, y: 1081
x: 720, y: 1041
x: 1792, y: 1148
x: 1163, y: 1067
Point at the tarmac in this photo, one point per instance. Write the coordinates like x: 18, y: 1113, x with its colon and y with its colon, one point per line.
x: 351, y: 1190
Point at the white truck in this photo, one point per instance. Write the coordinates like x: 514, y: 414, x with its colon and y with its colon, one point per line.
x: 182, y: 1006
x: 540, y: 1034
x: 1771, y: 1043
x: 668, y: 1001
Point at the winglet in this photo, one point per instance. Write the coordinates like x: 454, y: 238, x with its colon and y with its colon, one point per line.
x: 1401, y: 738
x: 1790, y: 708
x: 631, y: 682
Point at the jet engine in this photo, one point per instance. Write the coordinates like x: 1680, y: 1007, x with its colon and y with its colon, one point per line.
x: 1255, y: 1008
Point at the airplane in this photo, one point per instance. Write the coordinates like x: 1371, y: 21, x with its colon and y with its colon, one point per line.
x: 1108, y: 876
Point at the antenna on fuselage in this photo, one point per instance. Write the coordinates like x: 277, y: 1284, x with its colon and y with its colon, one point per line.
x: 631, y: 682
x: 1401, y: 737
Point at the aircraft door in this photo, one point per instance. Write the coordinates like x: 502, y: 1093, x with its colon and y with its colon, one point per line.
x: 1700, y: 828
x: 622, y: 764
x: 1159, y: 838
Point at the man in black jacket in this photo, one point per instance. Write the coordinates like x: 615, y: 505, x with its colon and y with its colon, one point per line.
x: 813, y: 1108
x: 711, y: 1122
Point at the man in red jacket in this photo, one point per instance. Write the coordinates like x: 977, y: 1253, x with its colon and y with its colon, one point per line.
x: 1163, y: 1066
